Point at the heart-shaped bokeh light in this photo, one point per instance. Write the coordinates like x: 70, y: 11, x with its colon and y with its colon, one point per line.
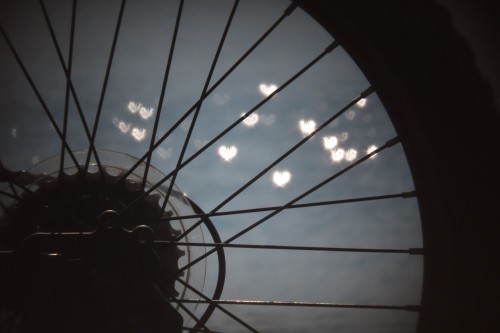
x: 139, y: 134
x: 145, y: 113
x: 267, y: 89
x: 251, y: 120
x: 361, y: 103
x: 227, y: 153
x: 281, y: 178
x: 330, y: 142
x: 338, y: 155
x: 307, y: 126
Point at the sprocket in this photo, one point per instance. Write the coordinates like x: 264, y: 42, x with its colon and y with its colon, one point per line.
x: 70, y: 239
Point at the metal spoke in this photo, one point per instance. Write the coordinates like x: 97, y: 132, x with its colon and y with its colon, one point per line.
x: 9, y: 195
x: 105, y: 84
x: 5, y: 208
x: 412, y: 308
x: 70, y: 88
x: 198, y: 108
x: 388, y: 144
x: 68, y: 78
x: 39, y: 96
x: 214, y: 302
x: 330, y: 48
x: 412, y: 251
x: 286, y: 13
x: 364, y: 94
x: 198, y: 330
x: 67, y: 72
x: 162, y: 93
x: 13, y: 189
x: 182, y: 306
x: 410, y: 194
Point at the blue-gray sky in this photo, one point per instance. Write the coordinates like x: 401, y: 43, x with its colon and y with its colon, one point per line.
x: 130, y: 107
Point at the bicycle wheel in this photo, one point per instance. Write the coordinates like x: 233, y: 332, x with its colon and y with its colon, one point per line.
x: 258, y: 124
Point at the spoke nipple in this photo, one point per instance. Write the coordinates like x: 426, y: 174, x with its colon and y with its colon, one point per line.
x: 392, y: 142
x: 415, y: 308
x: 332, y: 46
x: 367, y: 92
x: 410, y: 194
x: 291, y: 8
x: 416, y: 251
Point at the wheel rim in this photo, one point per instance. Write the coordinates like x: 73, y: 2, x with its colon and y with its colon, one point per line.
x: 223, y: 150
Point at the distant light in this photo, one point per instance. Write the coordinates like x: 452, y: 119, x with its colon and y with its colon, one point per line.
x: 121, y: 125
x: 337, y: 155
x: 350, y: 115
x: 351, y: 154
x: 330, y: 142
x: 227, y: 153
x: 343, y: 136
x: 221, y: 99
x: 133, y: 106
x: 267, y: 89
x: 138, y: 134
x: 124, y: 127
x: 145, y: 113
x: 281, y: 178
x: 371, y: 149
x: 307, y: 126
x: 267, y: 120
x: 361, y: 103
x: 13, y: 132
x: 251, y: 120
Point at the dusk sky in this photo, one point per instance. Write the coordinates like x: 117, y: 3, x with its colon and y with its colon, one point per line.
x: 128, y: 114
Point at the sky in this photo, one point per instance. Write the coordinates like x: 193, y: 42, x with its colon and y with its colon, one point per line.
x: 131, y: 105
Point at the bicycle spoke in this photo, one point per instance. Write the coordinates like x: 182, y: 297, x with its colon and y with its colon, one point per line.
x: 191, y: 314
x: 9, y: 195
x: 39, y: 96
x: 67, y: 72
x: 69, y: 84
x: 211, y: 301
x: 14, y: 191
x: 364, y: 94
x: 197, y: 330
x: 162, y: 93
x: 286, y: 13
x: 68, y: 78
x: 6, y: 210
x: 388, y: 144
x: 413, y: 308
x: 6, y: 253
x: 412, y: 251
x: 330, y: 48
x: 198, y: 108
x: 141, y: 186
x: 105, y: 83
x: 410, y: 194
